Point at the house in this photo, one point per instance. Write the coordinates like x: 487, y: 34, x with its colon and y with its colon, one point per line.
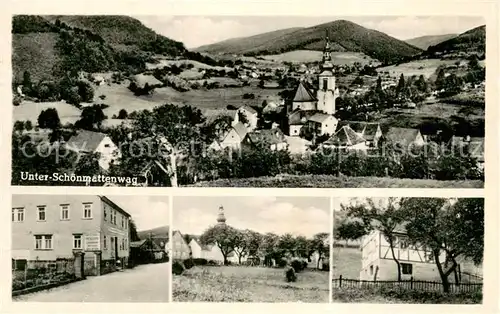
x: 297, y: 120
x: 49, y: 228
x: 142, y: 79
x: 346, y: 138
x: 180, y: 248
x: 231, y: 138
x: 322, y: 123
x: 89, y: 142
x: 370, y: 131
x: 273, y: 139
x: 210, y: 252
x: 146, y: 251
x: 405, y: 137
x: 416, y: 261
x: 250, y: 114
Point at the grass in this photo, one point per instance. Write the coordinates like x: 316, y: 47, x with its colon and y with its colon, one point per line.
x: 425, y: 67
x: 377, y: 295
x: 305, y: 56
x: 331, y: 181
x: 346, y: 262
x: 248, y: 284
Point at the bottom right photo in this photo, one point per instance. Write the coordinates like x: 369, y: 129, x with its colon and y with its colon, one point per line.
x: 408, y: 250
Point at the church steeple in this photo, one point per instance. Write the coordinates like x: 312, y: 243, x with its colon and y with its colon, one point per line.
x: 221, y: 219
x: 327, y: 57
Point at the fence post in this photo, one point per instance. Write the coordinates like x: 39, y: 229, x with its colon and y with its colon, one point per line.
x: 340, y: 281
x: 411, y: 283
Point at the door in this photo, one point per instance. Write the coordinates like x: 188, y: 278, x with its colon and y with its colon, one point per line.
x: 116, y: 248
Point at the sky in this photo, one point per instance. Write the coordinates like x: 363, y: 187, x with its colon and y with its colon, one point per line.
x: 297, y: 215
x: 147, y: 211
x: 195, y: 31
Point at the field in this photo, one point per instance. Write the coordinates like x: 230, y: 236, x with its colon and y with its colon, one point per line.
x: 330, y: 181
x: 248, y: 284
x: 419, y: 67
x: 346, y: 262
x: 305, y: 56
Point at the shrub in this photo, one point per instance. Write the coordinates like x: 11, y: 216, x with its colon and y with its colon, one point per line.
x: 304, y: 265
x: 188, y: 264
x: 212, y: 263
x: 122, y: 114
x: 177, y: 268
x: 297, y: 266
x: 281, y: 263
x: 200, y: 261
x: 290, y: 275
x: 248, y: 96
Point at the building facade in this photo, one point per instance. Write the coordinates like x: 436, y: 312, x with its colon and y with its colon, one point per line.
x: 47, y: 228
x: 180, y: 248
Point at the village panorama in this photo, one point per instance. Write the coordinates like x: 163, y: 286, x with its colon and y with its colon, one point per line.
x: 105, y: 100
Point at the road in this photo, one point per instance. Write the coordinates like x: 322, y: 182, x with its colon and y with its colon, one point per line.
x: 144, y: 283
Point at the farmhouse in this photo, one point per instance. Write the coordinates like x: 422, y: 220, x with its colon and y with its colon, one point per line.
x: 95, y: 142
x: 231, y: 138
x: 180, y: 248
x: 346, y: 138
x: 405, y: 136
x: 370, y: 131
x: 416, y: 262
x: 273, y: 139
x: 90, y: 230
x: 324, y: 101
x: 250, y: 115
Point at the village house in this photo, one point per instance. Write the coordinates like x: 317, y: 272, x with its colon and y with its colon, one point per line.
x: 404, y: 136
x: 180, y: 248
x: 346, y: 138
x: 232, y: 138
x: 416, y: 261
x: 370, y: 131
x: 321, y: 124
x: 274, y: 139
x: 89, y: 142
x: 146, y: 251
x: 91, y: 230
x: 250, y: 115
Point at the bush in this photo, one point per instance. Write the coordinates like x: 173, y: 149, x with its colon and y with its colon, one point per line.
x: 200, y: 261
x: 122, y: 114
x: 281, y: 263
x: 177, y: 268
x: 297, y: 266
x: 188, y: 264
x: 212, y: 263
x: 290, y: 275
x: 248, y: 96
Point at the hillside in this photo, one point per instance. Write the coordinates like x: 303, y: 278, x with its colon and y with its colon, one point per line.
x: 424, y: 42
x: 159, y: 232
x: 49, y: 46
x: 471, y: 41
x: 344, y: 36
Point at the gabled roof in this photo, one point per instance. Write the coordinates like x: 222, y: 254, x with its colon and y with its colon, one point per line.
x: 402, y: 135
x: 269, y: 136
x: 86, y: 141
x: 240, y: 129
x: 345, y: 137
x: 202, y: 246
x: 303, y: 94
x: 366, y: 129
x: 320, y: 117
x: 138, y: 243
x: 248, y: 108
x: 300, y: 117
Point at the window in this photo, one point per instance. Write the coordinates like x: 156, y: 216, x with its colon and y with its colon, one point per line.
x: 87, y: 210
x: 105, y: 215
x: 106, y: 145
x: 407, y: 269
x: 371, y: 269
x: 403, y: 244
x: 105, y: 243
x: 18, y: 214
x: 77, y: 241
x: 123, y: 223
x: 325, y: 84
x: 41, y: 213
x: 64, y: 212
x: 43, y: 242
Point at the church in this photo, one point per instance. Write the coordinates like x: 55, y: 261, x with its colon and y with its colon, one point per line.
x: 315, y: 111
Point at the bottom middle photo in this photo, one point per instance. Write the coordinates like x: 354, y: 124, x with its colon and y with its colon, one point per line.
x: 250, y: 249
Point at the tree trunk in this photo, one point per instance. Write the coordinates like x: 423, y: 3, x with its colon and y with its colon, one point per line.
x: 173, y: 166
x: 391, y: 243
x: 319, y: 259
x: 444, y: 277
x: 239, y: 259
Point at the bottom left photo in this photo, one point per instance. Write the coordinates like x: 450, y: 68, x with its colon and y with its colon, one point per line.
x: 90, y: 248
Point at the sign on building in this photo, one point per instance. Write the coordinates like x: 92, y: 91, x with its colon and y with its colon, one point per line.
x: 92, y: 242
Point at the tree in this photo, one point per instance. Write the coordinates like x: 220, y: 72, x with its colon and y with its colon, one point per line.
x: 85, y: 91
x: 320, y: 244
x: 28, y: 125
x: 90, y: 118
x: 246, y: 243
x: 440, y: 79
x: 88, y: 164
x: 384, y: 218
x: 122, y: 114
x: 49, y: 119
x: 350, y: 230
x: 421, y: 84
x: 448, y: 228
x: 18, y: 126
x: 224, y: 236
x: 269, y: 248
x: 27, y: 83
x: 133, y: 231
x: 378, y: 88
x: 401, y: 84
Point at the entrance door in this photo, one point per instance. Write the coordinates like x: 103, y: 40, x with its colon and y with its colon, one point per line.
x: 116, y: 248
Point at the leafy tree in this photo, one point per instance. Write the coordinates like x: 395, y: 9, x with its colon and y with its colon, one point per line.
x: 85, y: 91
x: 122, y: 114
x: 224, y: 236
x: 88, y: 165
x: 350, y: 230
x: 378, y: 88
x: 27, y: 83
x: 440, y: 79
x: 91, y: 117
x: 18, y: 126
x: 49, y: 119
x: 421, y: 84
x: 28, y: 125
x: 449, y: 230
x: 384, y: 218
x: 133, y: 231
x: 320, y: 244
x: 401, y: 84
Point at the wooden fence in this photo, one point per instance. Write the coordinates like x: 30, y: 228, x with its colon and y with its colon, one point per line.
x: 418, y: 285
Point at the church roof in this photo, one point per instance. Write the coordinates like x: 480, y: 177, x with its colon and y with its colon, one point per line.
x: 300, y: 117
x: 326, y: 73
x: 303, y: 94
x: 319, y: 117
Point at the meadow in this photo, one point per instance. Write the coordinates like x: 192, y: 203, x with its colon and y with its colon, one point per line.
x: 331, y: 181
x: 248, y: 284
x: 346, y: 262
x: 425, y: 67
x: 306, y: 56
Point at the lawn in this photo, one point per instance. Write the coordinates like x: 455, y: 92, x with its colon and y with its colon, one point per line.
x: 425, y: 67
x: 331, y: 181
x: 248, y: 284
x: 346, y: 262
x: 306, y: 56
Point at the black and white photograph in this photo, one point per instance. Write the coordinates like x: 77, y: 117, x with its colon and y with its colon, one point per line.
x: 248, y: 101
x: 90, y: 248
x: 251, y: 249
x: 408, y: 250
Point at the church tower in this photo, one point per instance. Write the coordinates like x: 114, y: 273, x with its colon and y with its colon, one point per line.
x: 327, y: 92
x: 221, y: 219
